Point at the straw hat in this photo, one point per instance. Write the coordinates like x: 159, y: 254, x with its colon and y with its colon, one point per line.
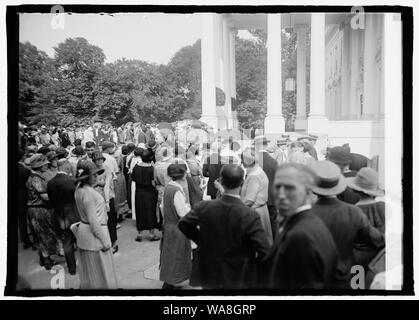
x: 330, y: 181
x: 38, y: 160
x: 366, y: 181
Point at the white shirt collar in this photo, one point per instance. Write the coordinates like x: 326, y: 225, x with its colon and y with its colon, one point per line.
x: 232, y: 195
x: 62, y: 172
x: 303, y: 208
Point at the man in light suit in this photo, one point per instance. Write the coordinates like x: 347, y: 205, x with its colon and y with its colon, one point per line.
x: 61, y: 195
x: 229, y: 236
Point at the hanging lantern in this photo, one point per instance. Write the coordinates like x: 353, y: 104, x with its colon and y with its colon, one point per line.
x: 289, y: 84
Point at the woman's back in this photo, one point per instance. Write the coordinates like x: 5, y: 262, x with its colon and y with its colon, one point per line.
x: 143, y: 176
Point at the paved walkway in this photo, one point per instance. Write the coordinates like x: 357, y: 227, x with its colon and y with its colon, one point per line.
x: 136, y: 264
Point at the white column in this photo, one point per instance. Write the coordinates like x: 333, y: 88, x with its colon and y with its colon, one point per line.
x: 354, y: 104
x: 317, y: 121
x: 233, y: 62
x: 209, y: 111
x: 393, y: 106
x: 274, y: 121
x: 370, y: 79
x: 226, y: 71
x: 344, y: 113
x: 233, y: 71
x: 301, y: 119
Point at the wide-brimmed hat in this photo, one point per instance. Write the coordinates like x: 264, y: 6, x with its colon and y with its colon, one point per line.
x: 38, y: 160
x: 85, y: 169
x: 96, y: 155
x: 107, y: 144
x: 366, y: 181
x: 330, y: 181
x: 62, y: 153
x: 260, y: 140
x: 339, y: 155
x: 51, y: 155
x: 78, y: 151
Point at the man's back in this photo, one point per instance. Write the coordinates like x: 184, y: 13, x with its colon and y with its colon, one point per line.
x: 304, y: 255
x: 269, y: 166
x: 228, y: 238
x: 61, y: 195
x: 347, y: 225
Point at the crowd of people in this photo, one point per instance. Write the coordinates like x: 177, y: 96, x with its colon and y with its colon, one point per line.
x: 278, y: 214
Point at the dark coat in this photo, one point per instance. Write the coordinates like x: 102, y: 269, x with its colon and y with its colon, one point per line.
x: 61, y: 196
x: 230, y: 237
x: 304, y: 255
x: 211, y: 169
x: 348, y: 225
x: 269, y: 166
x: 349, y: 196
x: 23, y: 174
x: 358, y: 161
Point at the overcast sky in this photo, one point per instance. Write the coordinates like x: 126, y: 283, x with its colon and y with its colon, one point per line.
x: 150, y: 37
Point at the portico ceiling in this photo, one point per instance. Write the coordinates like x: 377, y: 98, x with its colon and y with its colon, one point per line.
x: 259, y: 20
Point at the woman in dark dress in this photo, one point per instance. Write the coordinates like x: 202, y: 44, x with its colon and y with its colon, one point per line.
x: 40, y: 213
x: 365, y: 184
x: 175, y: 258
x: 145, y: 196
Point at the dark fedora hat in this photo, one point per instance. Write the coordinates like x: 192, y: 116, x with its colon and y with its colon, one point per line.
x: 78, y: 151
x: 86, y: 168
x: 330, y: 181
x: 339, y: 155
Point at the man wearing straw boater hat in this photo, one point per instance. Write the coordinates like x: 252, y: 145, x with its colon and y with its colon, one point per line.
x: 346, y: 222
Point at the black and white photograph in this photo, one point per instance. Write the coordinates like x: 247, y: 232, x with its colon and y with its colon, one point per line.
x: 208, y: 150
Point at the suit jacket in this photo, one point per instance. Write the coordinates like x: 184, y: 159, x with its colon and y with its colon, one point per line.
x: 268, y: 165
x: 211, y: 169
x: 348, y: 225
x: 304, y: 255
x: 349, y: 196
x: 358, y: 161
x: 23, y: 174
x: 230, y: 240
x: 61, y: 195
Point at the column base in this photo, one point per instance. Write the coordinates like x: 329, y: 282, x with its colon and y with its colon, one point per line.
x: 211, y: 120
x: 300, y: 124
x: 274, y: 124
x: 317, y: 124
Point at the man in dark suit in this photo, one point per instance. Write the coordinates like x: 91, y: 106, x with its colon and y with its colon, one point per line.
x: 341, y: 157
x: 211, y: 169
x: 61, y: 195
x: 304, y: 255
x: 358, y: 161
x: 229, y: 236
x: 23, y: 174
x: 269, y: 166
x: 346, y: 222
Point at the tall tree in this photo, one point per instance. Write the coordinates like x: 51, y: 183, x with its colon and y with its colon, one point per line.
x: 35, y: 71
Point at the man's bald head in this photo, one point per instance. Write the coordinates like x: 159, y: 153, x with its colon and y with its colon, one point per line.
x: 231, y: 176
